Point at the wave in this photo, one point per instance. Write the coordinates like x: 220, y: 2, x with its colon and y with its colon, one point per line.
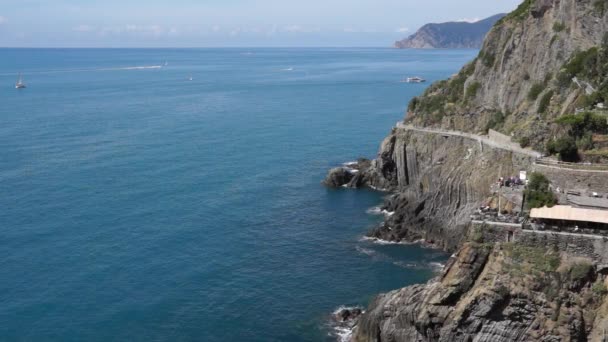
x: 380, y: 211
x: 343, y: 330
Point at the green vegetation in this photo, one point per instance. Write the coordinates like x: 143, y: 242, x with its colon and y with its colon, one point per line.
x: 587, y: 122
x: 488, y: 59
x: 431, y: 105
x: 524, y: 142
x: 477, y: 235
x: 536, y: 89
x: 472, y: 90
x: 580, y: 271
x: 599, y: 288
x: 545, y: 101
x: 591, y: 66
x: 496, y: 121
x: 532, y: 260
x: 600, y: 6
x: 559, y: 27
x: 553, y: 39
x: 579, y: 137
x: 520, y: 13
x: 538, y: 193
x: 565, y: 147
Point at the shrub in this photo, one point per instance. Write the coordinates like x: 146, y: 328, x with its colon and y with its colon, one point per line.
x: 565, y: 147
x: 537, y: 193
x: 412, y: 105
x: 545, y: 101
x: 520, y: 13
x: 535, y: 90
x: 496, y: 120
x: 584, y: 123
x: 472, y: 90
x: 488, y: 59
x: 559, y: 27
x: 599, y: 288
x: 585, y: 142
x: 524, y: 142
x: 600, y: 6
x: 580, y: 271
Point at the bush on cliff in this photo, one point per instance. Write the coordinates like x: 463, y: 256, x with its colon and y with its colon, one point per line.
x: 538, y: 194
x: 565, y: 147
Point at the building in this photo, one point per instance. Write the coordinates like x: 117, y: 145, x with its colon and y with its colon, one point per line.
x: 565, y: 217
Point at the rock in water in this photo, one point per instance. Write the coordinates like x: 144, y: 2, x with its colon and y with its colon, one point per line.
x: 338, y: 177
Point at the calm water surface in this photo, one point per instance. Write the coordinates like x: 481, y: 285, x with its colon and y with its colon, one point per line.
x: 140, y: 206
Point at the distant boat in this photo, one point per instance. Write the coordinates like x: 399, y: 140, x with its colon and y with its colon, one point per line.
x: 166, y: 63
x: 415, y: 79
x: 20, y: 84
x: 190, y: 78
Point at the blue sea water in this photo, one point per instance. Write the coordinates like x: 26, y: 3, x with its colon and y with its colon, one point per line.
x: 137, y: 205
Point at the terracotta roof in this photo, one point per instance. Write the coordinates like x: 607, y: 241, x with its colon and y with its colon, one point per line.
x: 568, y: 213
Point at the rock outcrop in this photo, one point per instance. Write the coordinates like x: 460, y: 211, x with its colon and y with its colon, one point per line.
x: 450, y: 35
x: 499, y: 294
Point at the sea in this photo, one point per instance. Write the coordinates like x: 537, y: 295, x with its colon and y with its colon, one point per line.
x: 175, y: 194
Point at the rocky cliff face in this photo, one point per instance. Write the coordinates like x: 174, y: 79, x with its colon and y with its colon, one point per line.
x: 502, y: 293
x: 451, y: 35
x: 438, y: 181
x: 539, y: 62
x: 519, y: 83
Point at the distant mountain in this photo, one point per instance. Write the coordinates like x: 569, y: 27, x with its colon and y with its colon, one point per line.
x: 450, y: 35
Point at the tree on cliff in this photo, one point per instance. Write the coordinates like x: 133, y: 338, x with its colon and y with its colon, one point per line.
x: 538, y: 194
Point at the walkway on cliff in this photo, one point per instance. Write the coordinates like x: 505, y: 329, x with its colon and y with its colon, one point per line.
x: 483, y: 140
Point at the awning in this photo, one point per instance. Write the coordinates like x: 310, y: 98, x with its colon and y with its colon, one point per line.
x: 568, y: 213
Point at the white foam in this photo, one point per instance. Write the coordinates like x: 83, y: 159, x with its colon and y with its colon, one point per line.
x: 375, y: 211
x: 351, y: 163
x: 437, y: 266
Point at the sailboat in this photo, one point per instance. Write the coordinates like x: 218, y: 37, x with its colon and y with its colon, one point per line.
x: 20, y: 84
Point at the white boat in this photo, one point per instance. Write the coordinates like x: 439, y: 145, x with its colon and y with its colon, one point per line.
x: 190, y: 78
x: 415, y: 79
x: 20, y: 84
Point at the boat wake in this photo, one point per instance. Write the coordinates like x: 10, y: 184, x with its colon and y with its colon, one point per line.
x: 45, y: 72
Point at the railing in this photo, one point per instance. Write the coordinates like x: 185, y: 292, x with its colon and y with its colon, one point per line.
x: 573, y: 166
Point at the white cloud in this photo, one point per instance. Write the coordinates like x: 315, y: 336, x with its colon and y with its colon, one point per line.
x: 469, y: 20
x: 402, y: 30
x: 83, y: 28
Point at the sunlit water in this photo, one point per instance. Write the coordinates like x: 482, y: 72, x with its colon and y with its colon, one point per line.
x: 138, y: 205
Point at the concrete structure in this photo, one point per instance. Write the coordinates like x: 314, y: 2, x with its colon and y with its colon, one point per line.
x: 570, y: 214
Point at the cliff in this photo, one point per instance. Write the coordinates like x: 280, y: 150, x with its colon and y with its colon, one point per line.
x: 538, y: 63
x: 545, y: 59
x: 494, y: 293
x: 450, y: 35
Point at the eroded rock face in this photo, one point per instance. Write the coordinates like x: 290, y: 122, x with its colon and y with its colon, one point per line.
x: 481, y: 297
x: 436, y: 182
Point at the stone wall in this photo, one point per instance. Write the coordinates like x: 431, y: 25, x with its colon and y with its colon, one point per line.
x: 575, y: 179
x: 499, y: 137
x: 593, y: 247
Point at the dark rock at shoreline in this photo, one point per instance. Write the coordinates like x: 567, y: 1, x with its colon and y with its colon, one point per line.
x: 338, y: 177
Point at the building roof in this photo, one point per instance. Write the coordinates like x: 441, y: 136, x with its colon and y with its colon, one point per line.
x: 568, y: 213
x: 591, y: 202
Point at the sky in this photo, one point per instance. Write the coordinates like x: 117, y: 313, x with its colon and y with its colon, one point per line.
x: 228, y: 23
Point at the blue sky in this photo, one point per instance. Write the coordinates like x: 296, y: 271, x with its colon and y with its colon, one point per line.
x: 212, y: 23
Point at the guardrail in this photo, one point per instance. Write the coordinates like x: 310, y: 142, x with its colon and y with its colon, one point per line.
x: 573, y: 166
